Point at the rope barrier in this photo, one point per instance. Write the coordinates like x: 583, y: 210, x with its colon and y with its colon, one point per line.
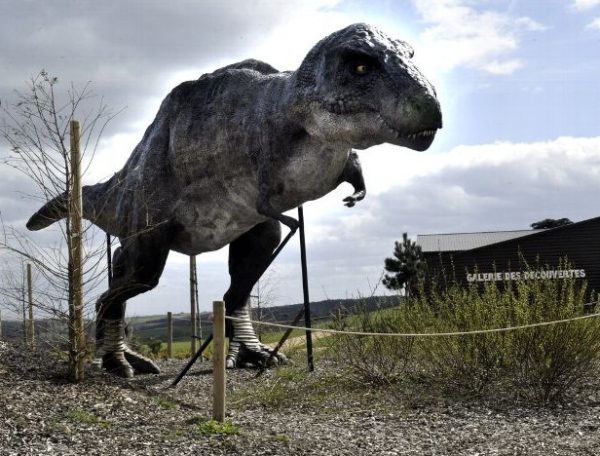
x: 440, y: 334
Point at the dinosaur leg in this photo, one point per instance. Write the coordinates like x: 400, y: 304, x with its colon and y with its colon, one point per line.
x: 138, y: 265
x: 248, y: 258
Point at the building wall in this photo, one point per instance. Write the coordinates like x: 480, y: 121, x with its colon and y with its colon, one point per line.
x: 508, y: 260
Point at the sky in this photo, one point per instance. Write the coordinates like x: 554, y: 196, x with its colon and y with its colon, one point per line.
x: 517, y: 82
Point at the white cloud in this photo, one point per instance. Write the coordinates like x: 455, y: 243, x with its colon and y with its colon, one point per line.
x: 583, y: 5
x: 492, y: 186
x: 502, y: 66
x: 459, y: 35
x: 595, y: 24
x: 504, y: 185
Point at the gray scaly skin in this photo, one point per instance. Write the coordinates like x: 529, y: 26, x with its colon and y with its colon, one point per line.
x: 227, y: 154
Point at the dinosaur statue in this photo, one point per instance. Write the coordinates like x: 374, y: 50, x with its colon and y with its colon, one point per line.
x: 227, y: 154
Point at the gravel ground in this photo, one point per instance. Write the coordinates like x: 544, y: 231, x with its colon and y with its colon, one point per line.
x: 42, y: 414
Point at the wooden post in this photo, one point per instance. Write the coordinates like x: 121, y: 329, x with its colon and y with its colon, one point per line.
x: 193, y: 302
x: 169, y: 335
x: 30, y: 327
x: 77, y: 343
x: 23, y: 301
x: 219, y: 361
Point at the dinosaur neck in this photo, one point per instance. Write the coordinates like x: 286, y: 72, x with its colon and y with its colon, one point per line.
x: 285, y: 103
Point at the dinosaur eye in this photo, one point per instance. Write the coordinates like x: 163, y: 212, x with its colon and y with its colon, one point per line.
x: 361, y: 68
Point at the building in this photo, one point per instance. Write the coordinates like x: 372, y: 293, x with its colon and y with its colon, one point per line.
x: 515, y: 255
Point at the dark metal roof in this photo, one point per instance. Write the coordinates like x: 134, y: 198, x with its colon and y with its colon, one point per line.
x: 455, y: 242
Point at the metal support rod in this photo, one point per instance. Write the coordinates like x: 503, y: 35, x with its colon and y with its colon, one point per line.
x: 219, y: 361
x: 285, y: 337
x: 193, y: 302
x: 191, y: 362
x: 307, y: 319
x: 108, y: 259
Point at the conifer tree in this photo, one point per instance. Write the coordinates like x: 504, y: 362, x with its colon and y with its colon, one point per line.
x: 406, y: 267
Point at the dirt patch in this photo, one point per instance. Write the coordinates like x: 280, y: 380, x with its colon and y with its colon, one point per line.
x: 42, y: 414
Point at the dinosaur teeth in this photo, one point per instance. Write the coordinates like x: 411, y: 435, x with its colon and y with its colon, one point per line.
x: 421, y: 134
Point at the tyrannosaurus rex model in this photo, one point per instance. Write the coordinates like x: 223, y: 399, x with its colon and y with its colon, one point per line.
x: 227, y: 154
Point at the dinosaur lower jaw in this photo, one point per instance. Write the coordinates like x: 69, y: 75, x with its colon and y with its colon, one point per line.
x: 416, y: 139
x: 420, y: 140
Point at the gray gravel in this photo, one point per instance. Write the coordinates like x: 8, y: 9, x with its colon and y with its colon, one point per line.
x: 42, y: 414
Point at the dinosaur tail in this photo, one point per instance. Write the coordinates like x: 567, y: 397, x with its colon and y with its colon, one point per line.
x: 57, y: 208
x: 53, y: 211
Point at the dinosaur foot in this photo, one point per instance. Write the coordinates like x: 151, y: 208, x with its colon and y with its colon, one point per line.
x: 253, y: 357
x: 140, y: 364
x: 116, y: 364
x: 126, y: 363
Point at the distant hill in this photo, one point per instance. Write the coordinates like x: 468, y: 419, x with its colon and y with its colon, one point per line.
x: 148, y: 327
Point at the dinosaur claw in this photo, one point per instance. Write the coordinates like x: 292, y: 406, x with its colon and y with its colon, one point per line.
x: 290, y: 222
x: 139, y: 363
x: 115, y: 364
x: 351, y: 200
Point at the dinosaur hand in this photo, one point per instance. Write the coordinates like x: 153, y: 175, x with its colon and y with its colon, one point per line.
x: 351, y: 200
x: 290, y: 222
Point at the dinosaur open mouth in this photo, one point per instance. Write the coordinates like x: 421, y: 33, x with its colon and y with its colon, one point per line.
x: 421, y: 134
x: 420, y: 140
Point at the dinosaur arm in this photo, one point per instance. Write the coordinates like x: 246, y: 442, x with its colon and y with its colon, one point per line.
x: 266, y: 188
x: 264, y: 207
x: 352, y: 174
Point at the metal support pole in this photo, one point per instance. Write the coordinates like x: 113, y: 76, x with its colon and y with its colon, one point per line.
x: 307, y: 319
x: 219, y: 361
x: 285, y: 337
x: 193, y: 302
x: 108, y: 259
x: 191, y: 362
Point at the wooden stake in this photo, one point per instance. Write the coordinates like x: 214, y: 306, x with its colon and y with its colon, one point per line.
x: 30, y: 327
x: 169, y: 335
x: 23, y: 301
x: 77, y: 343
x: 219, y: 361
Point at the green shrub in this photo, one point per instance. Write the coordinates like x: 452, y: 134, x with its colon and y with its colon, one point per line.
x: 154, y: 345
x: 214, y: 427
x: 541, y: 363
x: 372, y: 359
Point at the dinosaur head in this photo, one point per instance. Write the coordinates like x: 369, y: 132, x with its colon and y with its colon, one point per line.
x: 362, y: 89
